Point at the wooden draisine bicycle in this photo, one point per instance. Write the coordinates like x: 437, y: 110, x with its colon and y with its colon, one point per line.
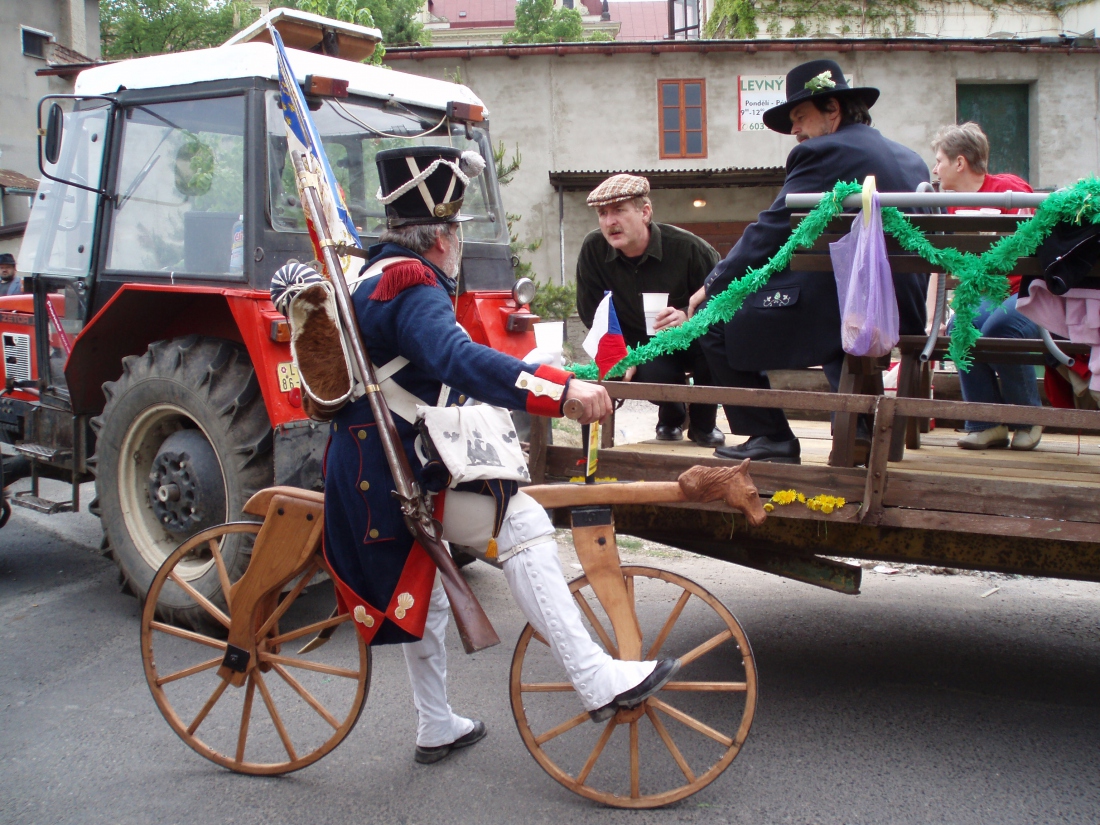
x: 276, y: 641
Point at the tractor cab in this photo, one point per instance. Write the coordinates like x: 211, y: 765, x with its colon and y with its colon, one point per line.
x: 146, y: 352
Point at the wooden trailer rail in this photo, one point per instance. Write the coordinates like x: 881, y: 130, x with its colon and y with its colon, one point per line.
x: 1009, y: 513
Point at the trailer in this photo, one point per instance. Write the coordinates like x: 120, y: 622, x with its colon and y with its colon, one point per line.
x: 905, y: 495
x: 910, y: 494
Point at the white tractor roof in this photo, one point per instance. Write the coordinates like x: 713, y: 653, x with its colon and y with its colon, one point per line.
x: 286, y: 16
x: 258, y: 60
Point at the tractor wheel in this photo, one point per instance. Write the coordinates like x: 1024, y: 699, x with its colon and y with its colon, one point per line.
x: 183, y: 442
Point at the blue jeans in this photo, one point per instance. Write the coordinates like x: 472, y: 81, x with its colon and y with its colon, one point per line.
x: 1018, y: 384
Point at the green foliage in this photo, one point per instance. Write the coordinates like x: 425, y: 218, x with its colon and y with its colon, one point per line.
x: 555, y: 303
x: 506, y: 168
x: 138, y: 27
x: 537, y: 21
x: 743, y: 19
x: 732, y: 19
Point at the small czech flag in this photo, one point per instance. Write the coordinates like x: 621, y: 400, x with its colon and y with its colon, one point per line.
x: 605, y: 342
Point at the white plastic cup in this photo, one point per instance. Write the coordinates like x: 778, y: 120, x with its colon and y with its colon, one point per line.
x: 549, y: 335
x: 652, y: 304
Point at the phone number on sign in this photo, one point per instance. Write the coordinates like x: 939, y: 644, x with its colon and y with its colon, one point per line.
x: 752, y: 127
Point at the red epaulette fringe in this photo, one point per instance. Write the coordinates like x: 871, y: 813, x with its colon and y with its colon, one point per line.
x: 400, y: 277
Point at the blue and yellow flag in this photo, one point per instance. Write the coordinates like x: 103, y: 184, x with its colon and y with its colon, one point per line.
x: 302, y: 137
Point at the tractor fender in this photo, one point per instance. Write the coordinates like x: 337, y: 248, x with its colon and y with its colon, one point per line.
x: 484, y: 315
x: 139, y: 314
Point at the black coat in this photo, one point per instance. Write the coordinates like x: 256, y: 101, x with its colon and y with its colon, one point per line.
x: 801, y: 326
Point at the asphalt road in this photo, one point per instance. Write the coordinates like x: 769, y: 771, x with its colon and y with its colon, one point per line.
x: 917, y: 701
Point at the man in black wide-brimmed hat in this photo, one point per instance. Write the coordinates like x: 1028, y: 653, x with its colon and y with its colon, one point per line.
x: 794, y: 321
x: 385, y: 580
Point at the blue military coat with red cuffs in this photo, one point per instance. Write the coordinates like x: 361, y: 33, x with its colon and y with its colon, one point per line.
x: 383, y: 578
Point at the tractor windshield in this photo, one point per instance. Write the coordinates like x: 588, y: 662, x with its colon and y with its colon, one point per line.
x: 353, y: 132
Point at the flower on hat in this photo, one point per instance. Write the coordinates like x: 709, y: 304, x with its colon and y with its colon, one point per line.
x: 821, y: 82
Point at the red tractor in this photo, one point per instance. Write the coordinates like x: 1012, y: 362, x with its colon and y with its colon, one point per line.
x: 146, y: 353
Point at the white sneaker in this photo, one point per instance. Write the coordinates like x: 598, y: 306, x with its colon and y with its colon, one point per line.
x: 1027, y: 439
x: 995, y: 438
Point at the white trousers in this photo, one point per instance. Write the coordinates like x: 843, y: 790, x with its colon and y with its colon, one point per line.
x: 534, y: 576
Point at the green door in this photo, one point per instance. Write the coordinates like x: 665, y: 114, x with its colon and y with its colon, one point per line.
x: 1002, y: 112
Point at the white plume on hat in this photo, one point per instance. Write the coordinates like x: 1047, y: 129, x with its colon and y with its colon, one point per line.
x: 471, y: 163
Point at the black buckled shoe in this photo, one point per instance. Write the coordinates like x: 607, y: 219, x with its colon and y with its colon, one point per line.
x: 712, y: 438
x: 665, y: 432
x: 762, y: 448
x: 428, y: 756
x: 665, y: 670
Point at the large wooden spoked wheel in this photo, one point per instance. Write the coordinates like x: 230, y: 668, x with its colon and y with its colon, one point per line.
x: 294, y: 706
x: 679, y: 740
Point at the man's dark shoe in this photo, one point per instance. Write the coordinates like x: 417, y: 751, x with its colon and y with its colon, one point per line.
x: 714, y: 438
x: 762, y: 448
x: 428, y: 756
x: 665, y: 670
x: 666, y: 432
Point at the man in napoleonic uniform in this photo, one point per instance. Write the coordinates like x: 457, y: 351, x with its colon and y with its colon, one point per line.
x: 403, y: 302
x: 794, y: 322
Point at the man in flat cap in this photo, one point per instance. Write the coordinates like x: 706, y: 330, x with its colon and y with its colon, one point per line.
x: 794, y: 322
x: 631, y: 254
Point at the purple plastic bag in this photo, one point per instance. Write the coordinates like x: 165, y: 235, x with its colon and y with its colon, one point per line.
x: 865, y: 288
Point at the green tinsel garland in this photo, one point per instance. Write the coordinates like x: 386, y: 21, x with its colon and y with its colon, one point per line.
x: 979, y: 275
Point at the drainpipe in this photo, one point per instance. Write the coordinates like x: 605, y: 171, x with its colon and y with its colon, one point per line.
x: 561, y: 230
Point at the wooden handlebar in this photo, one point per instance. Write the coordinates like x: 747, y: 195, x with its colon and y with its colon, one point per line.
x: 731, y: 485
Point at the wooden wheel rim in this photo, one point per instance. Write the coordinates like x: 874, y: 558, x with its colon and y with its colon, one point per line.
x: 148, y: 618
x: 643, y: 800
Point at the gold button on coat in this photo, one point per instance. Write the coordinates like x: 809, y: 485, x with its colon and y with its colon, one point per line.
x: 364, y: 485
x: 374, y: 534
x: 362, y: 435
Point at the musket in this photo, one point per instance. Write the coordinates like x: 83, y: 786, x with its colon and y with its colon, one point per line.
x: 474, y: 627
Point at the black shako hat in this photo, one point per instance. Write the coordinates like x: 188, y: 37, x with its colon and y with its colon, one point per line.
x: 818, y: 78
x: 425, y: 184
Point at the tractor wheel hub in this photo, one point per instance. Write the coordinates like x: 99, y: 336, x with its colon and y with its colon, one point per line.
x: 186, y: 490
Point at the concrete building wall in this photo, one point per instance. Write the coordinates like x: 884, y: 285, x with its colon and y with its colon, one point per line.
x: 74, y: 24
x: 587, y: 110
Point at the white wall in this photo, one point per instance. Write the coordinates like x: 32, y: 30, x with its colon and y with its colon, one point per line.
x: 21, y: 89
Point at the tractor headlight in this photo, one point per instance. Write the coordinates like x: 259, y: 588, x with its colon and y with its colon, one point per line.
x: 523, y: 292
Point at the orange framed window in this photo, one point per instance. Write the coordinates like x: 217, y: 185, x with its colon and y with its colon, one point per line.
x: 683, y: 107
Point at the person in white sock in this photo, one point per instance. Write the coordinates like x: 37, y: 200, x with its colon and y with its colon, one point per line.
x: 407, y: 325
x: 528, y: 554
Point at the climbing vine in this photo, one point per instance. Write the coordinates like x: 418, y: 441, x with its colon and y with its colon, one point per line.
x: 746, y: 19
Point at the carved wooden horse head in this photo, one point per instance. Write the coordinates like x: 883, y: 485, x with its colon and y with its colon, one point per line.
x: 732, y: 485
